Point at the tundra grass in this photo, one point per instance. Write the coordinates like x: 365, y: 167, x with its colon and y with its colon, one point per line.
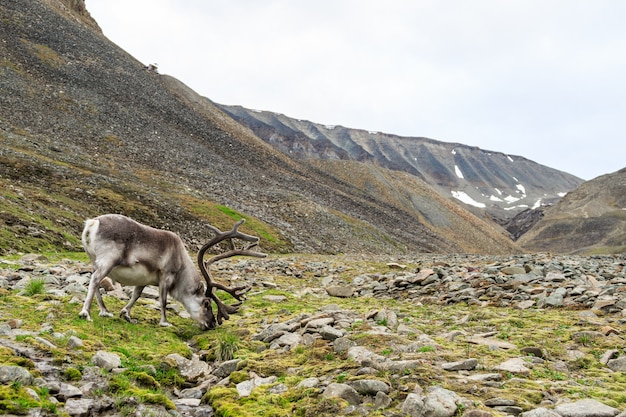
x: 146, y: 343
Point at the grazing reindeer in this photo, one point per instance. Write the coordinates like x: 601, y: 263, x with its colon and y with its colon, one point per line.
x: 137, y: 255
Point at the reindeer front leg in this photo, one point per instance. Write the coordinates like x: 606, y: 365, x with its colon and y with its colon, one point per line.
x: 163, y: 286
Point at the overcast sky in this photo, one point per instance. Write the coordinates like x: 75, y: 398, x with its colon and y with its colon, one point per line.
x: 543, y: 79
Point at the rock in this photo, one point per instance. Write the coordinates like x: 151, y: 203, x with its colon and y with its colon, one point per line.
x: 608, y: 355
x: 413, y: 405
x: 540, y: 412
x: 381, y: 400
x: 513, y: 270
x: 466, y: 364
x: 106, y: 360
x: 361, y: 354
x: 244, y: 389
x: 9, y: 374
x: 342, y: 344
x: 275, y: 298
x: 79, y: 407
x: 514, y: 366
x: 485, y: 377
x: 369, y: 386
x: 585, y: 408
x: 533, y: 351
x: 74, y: 342
x: 226, y: 368
x: 330, y: 333
x: 477, y: 340
x: 617, y: 365
x: 340, y: 291
x: 68, y: 391
x: 438, y: 402
x: 493, y: 402
x: 291, y: 340
x: 308, y: 383
x: 477, y: 413
x: 343, y: 391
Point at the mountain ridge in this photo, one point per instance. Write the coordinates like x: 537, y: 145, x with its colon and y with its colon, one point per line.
x: 500, y: 185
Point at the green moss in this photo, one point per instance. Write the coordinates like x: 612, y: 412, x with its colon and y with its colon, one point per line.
x: 16, y: 400
x: 72, y: 374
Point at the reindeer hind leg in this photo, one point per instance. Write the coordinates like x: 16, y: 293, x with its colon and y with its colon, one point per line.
x: 94, y: 283
x: 125, y: 312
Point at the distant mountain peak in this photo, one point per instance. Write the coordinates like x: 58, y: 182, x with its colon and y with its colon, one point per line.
x: 499, y: 184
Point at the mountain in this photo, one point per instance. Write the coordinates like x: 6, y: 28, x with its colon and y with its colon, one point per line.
x: 488, y: 183
x: 86, y: 129
x: 590, y: 219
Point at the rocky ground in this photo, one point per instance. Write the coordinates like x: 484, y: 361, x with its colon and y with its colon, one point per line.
x: 427, y: 335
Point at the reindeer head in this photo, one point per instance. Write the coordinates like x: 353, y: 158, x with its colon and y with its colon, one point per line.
x: 201, y: 308
x: 207, y: 321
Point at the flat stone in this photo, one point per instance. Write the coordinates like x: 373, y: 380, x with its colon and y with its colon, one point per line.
x: 340, y: 291
x: 343, y: 391
x: 491, y: 342
x: 466, y: 365
x: 586, y: 408
x: 514, y: 366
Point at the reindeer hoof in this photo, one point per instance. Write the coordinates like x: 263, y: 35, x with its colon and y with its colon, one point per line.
x: 85, y: 315
x: 164, y: 324
x: 124, y: 315
x: 105, y: 314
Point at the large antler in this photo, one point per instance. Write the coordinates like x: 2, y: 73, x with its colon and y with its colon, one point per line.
x: 223, y: 310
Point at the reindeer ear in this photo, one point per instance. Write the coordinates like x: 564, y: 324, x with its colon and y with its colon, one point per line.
x: 199, y: 288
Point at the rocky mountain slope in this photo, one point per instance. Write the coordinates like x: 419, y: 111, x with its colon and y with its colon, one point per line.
x: 591, y: 218
x: 86, y: 129
x: 486, y: 182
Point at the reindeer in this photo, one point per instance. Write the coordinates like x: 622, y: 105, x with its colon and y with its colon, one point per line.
x: 137, y: 255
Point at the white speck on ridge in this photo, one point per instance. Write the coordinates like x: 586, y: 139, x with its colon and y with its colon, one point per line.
x: 462, y: 196
x: 453, y: 151
x: 458, y: 172
x: 510, y: 159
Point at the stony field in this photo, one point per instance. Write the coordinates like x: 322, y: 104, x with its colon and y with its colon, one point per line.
x: 424, y: 335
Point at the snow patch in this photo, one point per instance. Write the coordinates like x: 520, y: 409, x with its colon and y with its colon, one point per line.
x: 521, y: 188
x: 498, y: 191
x: 494, y: 198
x: 458, y: 172
x: 453, y: 151
x: 330, y: 127
x: 561, y: 194
x: 373, y: 132
x: 510, y: 159
x: 511, y: 199
x: 536, y: 205
x: 516, y: 207
x: 462, y: 196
